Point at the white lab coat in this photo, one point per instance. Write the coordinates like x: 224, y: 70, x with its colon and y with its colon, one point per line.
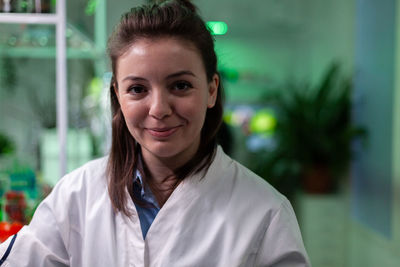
x: 231, y: 217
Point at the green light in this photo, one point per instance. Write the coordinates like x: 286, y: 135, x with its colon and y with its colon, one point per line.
x: 228, y: 117
x: 95, y: 86
x: 217, y: 27
x: 231, y: 75
x: 263, y: 122
x: 91, y: 7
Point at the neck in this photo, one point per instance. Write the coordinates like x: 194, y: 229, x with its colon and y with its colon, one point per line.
x: 163, y: 179
x: 163, y: 168
x: 159, y: 170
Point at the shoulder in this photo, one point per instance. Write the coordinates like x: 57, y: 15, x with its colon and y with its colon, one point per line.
x: 246, y: 181
x: 83, y: 185
x: 245, y: 199
x: 75, y: 195
x: 233, y: 193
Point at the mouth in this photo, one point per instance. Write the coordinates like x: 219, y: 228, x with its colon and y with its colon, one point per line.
x: 162, y: 132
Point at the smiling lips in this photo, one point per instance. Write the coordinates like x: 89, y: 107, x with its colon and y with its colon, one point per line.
x: 162, y: 132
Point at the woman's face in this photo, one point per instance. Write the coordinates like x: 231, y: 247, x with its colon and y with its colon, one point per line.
x: 164, y: 95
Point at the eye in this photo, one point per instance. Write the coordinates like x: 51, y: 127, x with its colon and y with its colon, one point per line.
x: 136, y: 89
x: 181, y: 86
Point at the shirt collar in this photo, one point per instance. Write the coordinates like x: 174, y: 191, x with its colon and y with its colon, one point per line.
x: 139, y: 180
x: 145, y: 192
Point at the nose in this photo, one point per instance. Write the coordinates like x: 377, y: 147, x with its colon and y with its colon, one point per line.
x: 160, y: 105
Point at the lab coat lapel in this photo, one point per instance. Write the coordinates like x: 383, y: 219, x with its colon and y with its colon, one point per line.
x: 130, y: 235
x: 171, y: 230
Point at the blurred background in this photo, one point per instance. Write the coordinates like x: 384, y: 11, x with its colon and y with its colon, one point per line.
x: 312, y: 106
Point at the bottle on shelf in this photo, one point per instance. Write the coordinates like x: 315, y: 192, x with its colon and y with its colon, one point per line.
x: 27, y: 6
x: 45, y: 6
x: 5, y: 6
x: 15, y: 6
x: 15, y: 206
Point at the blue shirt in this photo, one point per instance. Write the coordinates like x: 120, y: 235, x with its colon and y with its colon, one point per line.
x: 148, y: 213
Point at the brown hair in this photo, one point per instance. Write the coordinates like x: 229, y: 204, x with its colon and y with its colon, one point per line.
x: 173, y: 18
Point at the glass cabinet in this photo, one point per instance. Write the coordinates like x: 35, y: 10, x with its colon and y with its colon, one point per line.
x: 53, y: 84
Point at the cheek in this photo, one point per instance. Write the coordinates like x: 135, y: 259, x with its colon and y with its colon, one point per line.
x: 193, y: 111
x: 133, y: 113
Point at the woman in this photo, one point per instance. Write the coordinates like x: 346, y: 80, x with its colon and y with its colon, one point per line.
x: 167, y: 195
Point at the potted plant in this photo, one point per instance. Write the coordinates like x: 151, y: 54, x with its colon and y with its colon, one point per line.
x: 6, y: 145
x: 314, y: 130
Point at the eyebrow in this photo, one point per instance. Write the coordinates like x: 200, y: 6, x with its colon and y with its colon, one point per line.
x: 170, y: 76
x: 133, y: 78
x: 180, y: 73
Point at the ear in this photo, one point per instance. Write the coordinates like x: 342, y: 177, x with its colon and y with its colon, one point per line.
x: 212, y: 91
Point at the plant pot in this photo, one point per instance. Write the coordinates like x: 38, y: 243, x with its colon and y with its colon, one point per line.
x: 318, y: 179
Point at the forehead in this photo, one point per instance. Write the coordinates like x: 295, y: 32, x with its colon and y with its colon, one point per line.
x: 170, y: 41
x: 159, y: 53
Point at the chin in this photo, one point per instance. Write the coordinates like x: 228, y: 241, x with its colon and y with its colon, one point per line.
x: 171, y: 151
x: 165, y: 150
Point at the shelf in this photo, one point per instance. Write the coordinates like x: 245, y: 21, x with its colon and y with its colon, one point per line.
x: 59, y: 20
x: 28, y: 18
x: 60, y: 43
x: 39, y: 42
x: 46, y: 52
